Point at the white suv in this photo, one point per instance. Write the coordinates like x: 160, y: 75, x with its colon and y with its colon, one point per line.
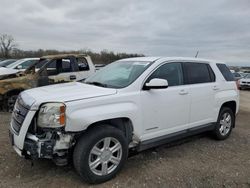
x: 130, y: 105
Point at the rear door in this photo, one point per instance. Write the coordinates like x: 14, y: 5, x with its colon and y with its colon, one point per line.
x: 201, y: 82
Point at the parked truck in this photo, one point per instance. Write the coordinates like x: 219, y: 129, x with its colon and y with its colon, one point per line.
x: 49, y: 70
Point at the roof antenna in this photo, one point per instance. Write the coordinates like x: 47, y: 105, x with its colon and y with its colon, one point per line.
x: 197, y: 53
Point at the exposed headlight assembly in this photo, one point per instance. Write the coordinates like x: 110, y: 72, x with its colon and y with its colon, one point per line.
x: 51, y: 115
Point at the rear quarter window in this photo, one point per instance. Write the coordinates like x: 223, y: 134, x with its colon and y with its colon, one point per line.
x: 82, y: 64
x: 225, y: 72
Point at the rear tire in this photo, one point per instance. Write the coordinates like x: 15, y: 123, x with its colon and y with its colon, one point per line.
x: 100, y: 154
x: 225, y: 123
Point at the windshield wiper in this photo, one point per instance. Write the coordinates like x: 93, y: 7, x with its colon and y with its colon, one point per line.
x: 97, y: 84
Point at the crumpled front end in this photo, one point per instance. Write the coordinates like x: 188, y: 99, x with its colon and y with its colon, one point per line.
x: 33, y: 142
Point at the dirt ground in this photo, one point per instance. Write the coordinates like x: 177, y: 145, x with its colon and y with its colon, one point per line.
x: 199, y: 161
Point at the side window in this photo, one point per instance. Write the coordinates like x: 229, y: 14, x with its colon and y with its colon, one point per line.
x: 51, y: 68
x: 197, y: 73
x: 41, y: 63
x: 172, y: 72
x: 82, y: 64
x: 225, y: 72
x: 66, y: 65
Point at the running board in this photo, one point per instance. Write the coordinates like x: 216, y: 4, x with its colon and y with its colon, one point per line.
x: 174, y: 136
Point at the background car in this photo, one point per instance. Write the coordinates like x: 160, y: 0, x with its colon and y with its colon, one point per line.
x: 243, y: 74
x: 245, y: 82
x: 7, y: 62
x: 237, y: 75
x: 18, y: 66
x: 99, y: 66
x: 49, y: 70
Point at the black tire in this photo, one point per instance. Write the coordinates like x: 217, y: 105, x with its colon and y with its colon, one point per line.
x: 219, y: 135
x: 84, y: 146
x: 11, y: 102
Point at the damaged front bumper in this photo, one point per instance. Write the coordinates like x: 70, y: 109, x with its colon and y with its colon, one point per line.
x: 54, y: 146
x: 50, y: 143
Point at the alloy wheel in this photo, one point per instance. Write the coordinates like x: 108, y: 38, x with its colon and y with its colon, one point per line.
x: 225, y: 124
x: 105, y: 156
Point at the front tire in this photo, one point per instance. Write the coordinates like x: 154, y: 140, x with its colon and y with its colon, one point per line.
x: 9, y: 103
x: 225, y: 124
x: 100, y: 153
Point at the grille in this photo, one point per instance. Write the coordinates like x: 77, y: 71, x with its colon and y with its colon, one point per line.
x: 246, y: 82
x: 18, y: 115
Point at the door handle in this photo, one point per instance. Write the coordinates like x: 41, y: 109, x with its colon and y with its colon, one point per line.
x: 72, y: 77
x: 216, y: 88
x: 183, y: 92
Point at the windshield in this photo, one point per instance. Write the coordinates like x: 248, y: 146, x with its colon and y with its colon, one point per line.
x: 15, y: 64
x: 247, y: 76
x: 118, y: 74
x: 23, y: 64
x: 7, y: 62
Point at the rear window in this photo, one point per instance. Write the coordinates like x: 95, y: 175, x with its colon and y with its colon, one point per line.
x: 225, y: 72
x: 198, y: 73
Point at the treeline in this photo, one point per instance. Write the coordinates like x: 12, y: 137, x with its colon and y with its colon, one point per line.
x: 103, y: 57
x: 8, y: 49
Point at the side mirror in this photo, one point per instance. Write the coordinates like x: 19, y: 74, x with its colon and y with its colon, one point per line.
x: 19, y: 67
x: 156, y: 83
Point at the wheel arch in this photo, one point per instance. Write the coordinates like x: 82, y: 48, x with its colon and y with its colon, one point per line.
x: 13, y: 92
x: 230, y: 104
x: 6, y: 96
x: 122, y: 123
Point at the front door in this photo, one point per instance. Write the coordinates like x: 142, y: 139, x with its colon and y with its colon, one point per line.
x: 165, y: 111
x: 60, y: 71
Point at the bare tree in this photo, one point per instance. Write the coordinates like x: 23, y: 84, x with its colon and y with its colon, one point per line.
x: 7, y: 43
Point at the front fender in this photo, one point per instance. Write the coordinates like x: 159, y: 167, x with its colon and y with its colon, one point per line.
x: 79, y: 120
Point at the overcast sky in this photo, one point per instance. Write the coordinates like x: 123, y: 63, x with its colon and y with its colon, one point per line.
x: 219, y: 29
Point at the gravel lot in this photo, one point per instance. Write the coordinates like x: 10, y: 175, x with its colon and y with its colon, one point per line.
x: 199, y: 161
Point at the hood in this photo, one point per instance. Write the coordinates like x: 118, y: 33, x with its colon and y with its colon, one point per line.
x: 5, y: 71
x: 64, y: 93
x: 9, y: 76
